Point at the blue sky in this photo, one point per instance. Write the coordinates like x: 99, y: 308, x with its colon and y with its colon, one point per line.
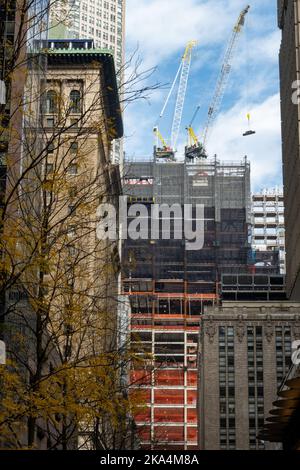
x: 161, y: 29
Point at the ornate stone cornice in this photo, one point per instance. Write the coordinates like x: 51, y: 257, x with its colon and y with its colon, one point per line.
x: 211, y: 329
x: 240, y: 328
x: 269, y: 328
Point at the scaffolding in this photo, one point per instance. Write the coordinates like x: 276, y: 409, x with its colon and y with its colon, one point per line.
x: 169, y: 286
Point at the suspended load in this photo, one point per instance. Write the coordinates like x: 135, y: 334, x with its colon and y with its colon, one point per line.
x: 249, y: 132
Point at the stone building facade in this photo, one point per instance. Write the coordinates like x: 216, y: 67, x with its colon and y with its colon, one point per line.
x: 245, y: 353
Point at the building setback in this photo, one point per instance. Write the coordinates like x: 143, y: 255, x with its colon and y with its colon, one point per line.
x: 169, y: 285
x: 289, y: 22
x: 245, y: 353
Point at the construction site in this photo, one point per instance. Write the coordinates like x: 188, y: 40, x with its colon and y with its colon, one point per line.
x: 169, y: 285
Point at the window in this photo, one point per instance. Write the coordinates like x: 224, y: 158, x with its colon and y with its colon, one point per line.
x: 71, y: 231
x: 283, y: 351
x: 227, y: 387
x: 74, y: 147
x: 49, y: 168
x: 231, y: 408
x: 74, y: 122
x: 223, y: 423
x: 255, y: 381
x: 51, y: 102
x: 231, y: 422
x: 72, y: 169
x: 50, y: 122
x: 51, y: 147
x: 260, y: 376
x: 75, y: 102
x: 72, y: 250
x: 223, y: 408
x: 72, y: 192
x: 71, y: 210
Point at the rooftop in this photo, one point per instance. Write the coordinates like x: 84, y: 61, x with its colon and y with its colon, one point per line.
x: 66, y: 56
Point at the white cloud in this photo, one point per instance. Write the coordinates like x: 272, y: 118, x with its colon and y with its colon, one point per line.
x: 262, y: 149
x: 162, y: 28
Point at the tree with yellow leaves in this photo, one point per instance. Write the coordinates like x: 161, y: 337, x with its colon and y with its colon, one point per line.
x: 64, y: 384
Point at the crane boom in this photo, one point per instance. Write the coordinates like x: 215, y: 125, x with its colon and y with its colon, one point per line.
x: 171, y: 91
x: 222, y: 82
x: 185, y: 69
x: 160, y: 137
x: 193, y: 139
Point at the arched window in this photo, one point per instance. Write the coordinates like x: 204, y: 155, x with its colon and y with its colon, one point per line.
x: 51, y: 102
x: 75, y: 102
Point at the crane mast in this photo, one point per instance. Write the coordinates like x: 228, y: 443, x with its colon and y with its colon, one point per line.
x: 168, y: 151
x: 185, y: 70
x: 224, y: 75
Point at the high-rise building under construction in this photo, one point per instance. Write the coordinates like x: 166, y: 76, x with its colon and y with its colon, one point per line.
x: 169, y: 284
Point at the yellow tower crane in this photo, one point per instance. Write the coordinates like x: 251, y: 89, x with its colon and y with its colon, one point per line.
x: 183, y: 72
x: 223, y: 78
x: 196, y: 149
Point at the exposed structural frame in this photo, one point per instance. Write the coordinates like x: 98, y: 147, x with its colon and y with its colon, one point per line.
x: 169, y: 287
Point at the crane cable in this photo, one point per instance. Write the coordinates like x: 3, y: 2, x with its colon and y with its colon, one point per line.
x: 247, y: 75
x: 249, y: 132
x: 224, y: 74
